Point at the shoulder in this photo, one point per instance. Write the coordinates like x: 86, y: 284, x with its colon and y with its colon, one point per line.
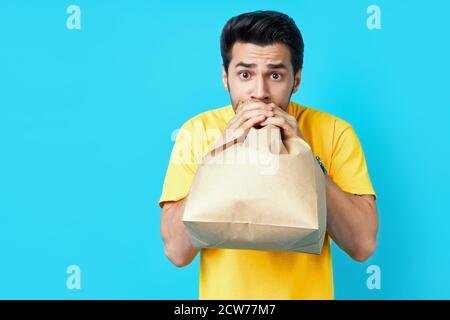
x: 216, y: 117
x: 205, y: 127
x: 316, y: 119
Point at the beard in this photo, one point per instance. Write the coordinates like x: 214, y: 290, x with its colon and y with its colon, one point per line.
x: 235, y: 104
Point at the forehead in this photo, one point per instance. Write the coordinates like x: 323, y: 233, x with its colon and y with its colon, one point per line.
x: 252, y: 53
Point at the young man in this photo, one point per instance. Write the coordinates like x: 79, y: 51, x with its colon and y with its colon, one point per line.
x: 262, y: 56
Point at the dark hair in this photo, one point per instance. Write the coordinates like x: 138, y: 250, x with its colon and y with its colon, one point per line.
x: 262, y: 28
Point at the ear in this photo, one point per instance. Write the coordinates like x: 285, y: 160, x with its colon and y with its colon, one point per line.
x: 224, y: 78
x: 297, y: 80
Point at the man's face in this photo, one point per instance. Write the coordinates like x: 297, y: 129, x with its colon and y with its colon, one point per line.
x: 260, y: 73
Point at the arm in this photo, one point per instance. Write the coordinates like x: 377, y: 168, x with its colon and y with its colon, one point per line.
x: 177, y: 242
x: 352, y: 221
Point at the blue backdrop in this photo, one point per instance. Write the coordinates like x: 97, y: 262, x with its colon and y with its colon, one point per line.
x: 86, y: 117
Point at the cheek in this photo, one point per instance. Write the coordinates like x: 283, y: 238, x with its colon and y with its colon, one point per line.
x: 235, y: 92
x: 281, y: 91
x: 281, y: 96
x: 239, y: 89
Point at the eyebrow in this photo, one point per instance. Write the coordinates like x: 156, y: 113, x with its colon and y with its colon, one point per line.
x: 253, y: 65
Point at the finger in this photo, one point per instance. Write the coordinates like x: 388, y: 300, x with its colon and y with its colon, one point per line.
x: 252, y: 122
x: 254, y: 113
x: 252, y: 105
x: 277, y: 121
x: 289, y: 118
x: 277, y: 110
x: 237, y: 121
x: 243, y: 107
x: 247, y: 115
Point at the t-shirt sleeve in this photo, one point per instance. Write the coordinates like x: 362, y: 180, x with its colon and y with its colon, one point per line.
x: 182, y: 167
x: 348, y: 167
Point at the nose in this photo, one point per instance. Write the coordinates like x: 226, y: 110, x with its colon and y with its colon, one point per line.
x: 260, y: 91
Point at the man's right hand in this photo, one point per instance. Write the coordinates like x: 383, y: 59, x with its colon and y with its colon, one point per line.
x: 248, y: 114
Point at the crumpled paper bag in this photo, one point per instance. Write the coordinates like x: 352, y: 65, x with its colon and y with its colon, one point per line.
x: 258, y: 192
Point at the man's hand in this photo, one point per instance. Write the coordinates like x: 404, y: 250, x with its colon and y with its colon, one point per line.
x: 287, y: 123
x: 256, y: 113
x: 248, y: 114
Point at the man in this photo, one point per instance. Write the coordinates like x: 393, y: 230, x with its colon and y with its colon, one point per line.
x: 262, y: 56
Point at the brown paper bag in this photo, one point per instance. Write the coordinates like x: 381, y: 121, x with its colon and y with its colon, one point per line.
x: 258, y: 192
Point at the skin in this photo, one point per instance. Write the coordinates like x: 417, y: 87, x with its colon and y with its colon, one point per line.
x: 260, y: 81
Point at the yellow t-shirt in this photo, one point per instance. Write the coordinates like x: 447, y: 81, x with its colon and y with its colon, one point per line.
x: 255, y: 274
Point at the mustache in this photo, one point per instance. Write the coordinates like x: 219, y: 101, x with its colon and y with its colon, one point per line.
x: 240, y: 102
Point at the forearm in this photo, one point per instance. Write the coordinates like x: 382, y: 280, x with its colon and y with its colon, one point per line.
x: 351, y: 223
x: 177, y: 242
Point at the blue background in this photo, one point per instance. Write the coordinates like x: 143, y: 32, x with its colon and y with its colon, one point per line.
x: 86, y: 118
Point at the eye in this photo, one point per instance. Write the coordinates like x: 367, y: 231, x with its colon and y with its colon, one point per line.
x: 275, y: 76
x: 244, y: 74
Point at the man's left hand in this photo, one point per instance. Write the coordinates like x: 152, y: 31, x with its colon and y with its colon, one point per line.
x: 287, y: 123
